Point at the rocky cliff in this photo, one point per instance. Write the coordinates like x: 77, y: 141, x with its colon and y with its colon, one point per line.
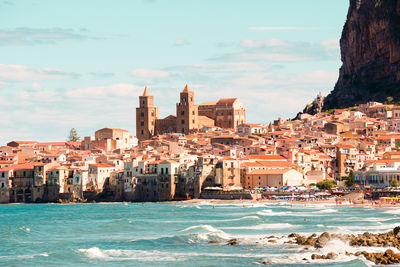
x: 370, y: 52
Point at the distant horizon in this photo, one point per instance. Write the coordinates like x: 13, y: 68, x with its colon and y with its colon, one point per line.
x: 87, y: 73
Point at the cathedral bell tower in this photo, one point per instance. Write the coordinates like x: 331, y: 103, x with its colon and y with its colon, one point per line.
x: 186, y: 112
x: 146, y: 116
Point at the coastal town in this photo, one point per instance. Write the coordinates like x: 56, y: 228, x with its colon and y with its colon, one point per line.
x: 207, y: 151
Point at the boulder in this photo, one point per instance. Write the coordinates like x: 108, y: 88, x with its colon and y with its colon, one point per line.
x: 232, y: 242
x: 322, y: 240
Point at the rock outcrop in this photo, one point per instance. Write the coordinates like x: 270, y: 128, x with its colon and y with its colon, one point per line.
x: 389, y: 239
x: 316, y: 106
x: 370, y: 52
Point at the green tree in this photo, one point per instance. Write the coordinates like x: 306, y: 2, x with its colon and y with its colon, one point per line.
x: 395, y: 183
x: 326, y: 184
x: 350, y: 179
x: 73, y: 136
x: 389, y: 100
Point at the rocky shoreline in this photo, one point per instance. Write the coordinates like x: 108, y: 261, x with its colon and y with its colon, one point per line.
x: 389, y: 239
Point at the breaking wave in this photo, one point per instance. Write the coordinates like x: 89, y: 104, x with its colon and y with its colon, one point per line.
x: 264, y: 226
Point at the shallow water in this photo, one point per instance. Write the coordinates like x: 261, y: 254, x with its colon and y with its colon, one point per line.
x: 177, y: 234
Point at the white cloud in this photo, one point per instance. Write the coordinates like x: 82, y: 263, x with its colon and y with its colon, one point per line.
x: 114, y: 90
x: 222, y: 67
x: 247, y: 43
x: 36, y: 86
x: 29, y: 97
x: 333, y: 44
x: 149, y: 73
x: 278, y: 28
x: 22, y: 73
x: 180, y: 42
x: 271, y: 57
x: 3, y: 84
x: 34, y: 36
x: 277, y: 50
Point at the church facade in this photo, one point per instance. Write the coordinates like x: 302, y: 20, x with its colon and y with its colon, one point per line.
x: 225, y: 113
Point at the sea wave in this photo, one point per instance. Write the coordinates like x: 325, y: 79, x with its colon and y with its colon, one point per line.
x: 393, y: 211
x: 263, y: 226
x: 123, y: 255
x: 270, y: 212
x: 357, y: 229
x: 155, y: 255
x: 31, y: 256
x: 206, y: 232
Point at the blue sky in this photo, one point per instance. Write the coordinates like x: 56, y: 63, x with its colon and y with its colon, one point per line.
x: 83, y: 64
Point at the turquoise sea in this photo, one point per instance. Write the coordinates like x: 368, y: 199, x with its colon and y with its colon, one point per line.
x: 178, y: 234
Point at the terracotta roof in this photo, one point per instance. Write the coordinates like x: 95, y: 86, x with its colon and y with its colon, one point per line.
x: 186, y: 89
x: 279, y: 164
x: 211, y: 103
x: 226, y: 101
x: 270, y: 171
x: 146, y: 91
x: 264, y: 157
x: 51, y: 144
x: 102, y: 165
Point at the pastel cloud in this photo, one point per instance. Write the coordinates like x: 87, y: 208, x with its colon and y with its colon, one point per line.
x: 222, y: 67
x: 277, y: 50
x: 34, y: 36
x: 181, y: 42
x: 149, y: 73
x: 23, y: 73
x: 279, y: 28
x: 113, y: 90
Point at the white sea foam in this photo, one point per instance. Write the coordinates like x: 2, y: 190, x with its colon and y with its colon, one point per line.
x: 378, y: 220
x: 206, y: 232
x: 31, y: 256
x: 229, y: 220
x: 264, y: 226
x: 122, y: 255
x: 363, y: 228
x: 202, y: 227
x: 155, y: 255
x: 337, y: 246
x: 269, y: 212
x: 393, y: 211
x: 328, y: 211
x: 25, y: 228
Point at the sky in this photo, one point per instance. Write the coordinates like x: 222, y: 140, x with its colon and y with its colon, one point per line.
x: 82, y: 64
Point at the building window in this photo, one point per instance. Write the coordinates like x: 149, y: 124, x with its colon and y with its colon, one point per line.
x: 142, y: 114
x: 193, y: 121
x: 142, y: 132
x: 183, y: 121
x: 182, y: 112
x: 142, y: 123
x: 193, y: 112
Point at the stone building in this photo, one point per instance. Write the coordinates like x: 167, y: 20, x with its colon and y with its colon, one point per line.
x: 108, y: 139
x: 146, y: 116
x: 226, y: 113
x: 186, y: 112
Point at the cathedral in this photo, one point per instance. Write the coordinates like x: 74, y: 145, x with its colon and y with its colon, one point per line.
x: 225, y: 113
